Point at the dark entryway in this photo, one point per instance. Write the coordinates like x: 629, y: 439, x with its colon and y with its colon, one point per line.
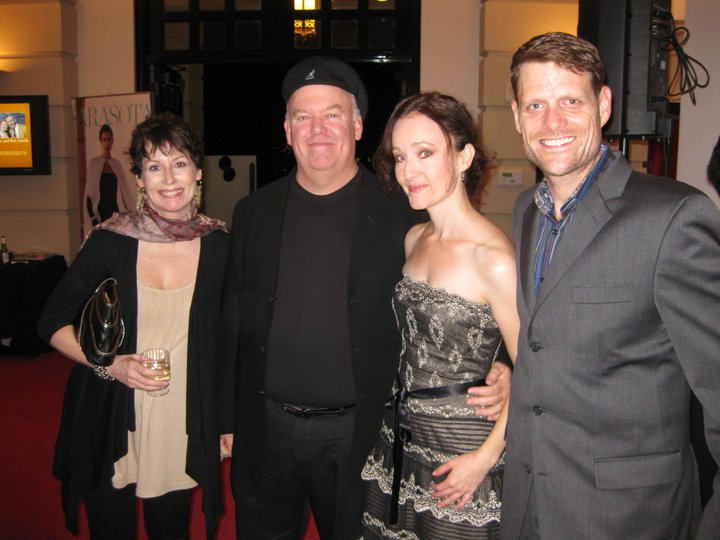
x: 247, y: 46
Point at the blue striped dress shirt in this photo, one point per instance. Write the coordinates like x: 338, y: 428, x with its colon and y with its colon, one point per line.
x: 551, y: 231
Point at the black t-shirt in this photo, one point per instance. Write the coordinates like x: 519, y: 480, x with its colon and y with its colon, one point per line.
x: 309, y: 358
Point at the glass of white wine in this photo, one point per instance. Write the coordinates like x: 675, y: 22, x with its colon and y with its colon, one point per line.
x: 159, y: 360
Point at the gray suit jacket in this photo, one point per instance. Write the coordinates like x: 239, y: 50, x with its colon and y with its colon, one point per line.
x: 626, y: 324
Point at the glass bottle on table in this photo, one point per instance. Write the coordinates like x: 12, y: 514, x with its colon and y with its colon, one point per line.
x: 4, y: 251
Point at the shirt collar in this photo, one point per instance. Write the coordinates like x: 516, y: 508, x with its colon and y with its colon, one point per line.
x: 543, y: 195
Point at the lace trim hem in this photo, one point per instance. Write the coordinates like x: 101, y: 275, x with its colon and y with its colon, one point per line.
x: 482, y: 509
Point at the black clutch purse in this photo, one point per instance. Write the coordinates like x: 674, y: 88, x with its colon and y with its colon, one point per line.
x: 101, y: 329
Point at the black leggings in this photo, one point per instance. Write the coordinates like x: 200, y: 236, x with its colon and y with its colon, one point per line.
x: 112, y: 514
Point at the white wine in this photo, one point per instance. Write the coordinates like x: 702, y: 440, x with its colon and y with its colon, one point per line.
x: 158, y: 360
x: 164, y: 374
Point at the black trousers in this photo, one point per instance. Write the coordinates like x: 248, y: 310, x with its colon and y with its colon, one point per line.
x: 307, y: 461
x: 112, y: 514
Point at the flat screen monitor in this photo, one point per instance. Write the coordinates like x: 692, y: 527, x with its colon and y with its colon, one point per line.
x: 24, y: 135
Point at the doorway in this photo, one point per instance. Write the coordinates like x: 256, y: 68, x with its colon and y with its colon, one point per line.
x: 236, y: 53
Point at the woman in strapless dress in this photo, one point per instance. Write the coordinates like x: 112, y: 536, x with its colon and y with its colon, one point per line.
x: 436, y: 471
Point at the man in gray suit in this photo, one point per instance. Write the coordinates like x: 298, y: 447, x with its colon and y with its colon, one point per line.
x: 618, y: 297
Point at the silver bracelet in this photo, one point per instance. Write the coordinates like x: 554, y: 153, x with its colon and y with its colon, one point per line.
x: 101, y: 371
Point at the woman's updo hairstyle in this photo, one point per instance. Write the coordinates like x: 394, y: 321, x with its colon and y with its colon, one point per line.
x: 454, y: 121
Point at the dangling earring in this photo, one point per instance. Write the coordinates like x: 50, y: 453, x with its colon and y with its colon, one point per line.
x: 462, y: 177
x: 140, y: 199
x: 198, y: 194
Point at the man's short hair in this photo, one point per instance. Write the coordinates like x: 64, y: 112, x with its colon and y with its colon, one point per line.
x: 567, y: 51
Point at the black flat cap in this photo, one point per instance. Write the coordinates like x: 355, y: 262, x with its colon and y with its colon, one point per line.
x: 329, y: 71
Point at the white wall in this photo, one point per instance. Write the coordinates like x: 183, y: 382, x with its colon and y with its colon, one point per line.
x: 450, y: 49
x: 106, y: 47
x: 700, y: 123
x: 221, y: 196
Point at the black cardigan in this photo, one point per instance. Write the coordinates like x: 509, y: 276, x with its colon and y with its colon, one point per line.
x: 376, y: 260
x: 97, y: 414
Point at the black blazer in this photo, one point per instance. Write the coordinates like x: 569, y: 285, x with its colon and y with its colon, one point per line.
x: 376, y: 261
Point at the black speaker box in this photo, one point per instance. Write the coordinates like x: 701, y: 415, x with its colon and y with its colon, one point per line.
x: 628, y: 35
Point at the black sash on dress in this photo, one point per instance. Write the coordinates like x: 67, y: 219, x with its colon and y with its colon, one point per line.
x: 401, y: 429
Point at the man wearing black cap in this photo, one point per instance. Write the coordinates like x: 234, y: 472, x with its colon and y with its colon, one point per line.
x: 312, y: 346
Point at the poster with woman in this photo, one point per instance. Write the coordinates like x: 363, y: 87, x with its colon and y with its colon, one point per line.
x: 104, y: 126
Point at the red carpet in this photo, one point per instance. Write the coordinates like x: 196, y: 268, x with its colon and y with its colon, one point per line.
x: 31, y: 391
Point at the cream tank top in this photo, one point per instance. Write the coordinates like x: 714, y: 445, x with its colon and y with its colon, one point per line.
x: 157, y: 448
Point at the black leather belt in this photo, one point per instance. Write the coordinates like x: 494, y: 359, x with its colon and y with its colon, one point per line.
x: 306, y: 411
x: 401, y: 430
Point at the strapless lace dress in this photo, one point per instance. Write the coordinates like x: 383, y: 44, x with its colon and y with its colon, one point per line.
x: 445, y: 340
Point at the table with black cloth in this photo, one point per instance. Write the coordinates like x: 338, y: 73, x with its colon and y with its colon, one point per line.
x: 24, y: 287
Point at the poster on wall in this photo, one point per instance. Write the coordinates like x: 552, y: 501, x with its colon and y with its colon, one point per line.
x: 104, y: 127
x: 24, y: 135
x: 16, y: 139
